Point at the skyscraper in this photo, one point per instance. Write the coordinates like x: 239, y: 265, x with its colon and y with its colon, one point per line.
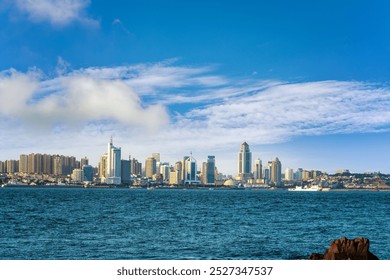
x: 244, y: 162
x: 276, y: 171
x: 191, y: 171
x: 258, y: 172
x: 289, y: 174
x: 103, y: 168
x: 175, y: 176
x: 125, y: 172
x: 83, y: 161
x: 23, y: 164
x: 113, y: 164
x: 210, y: 170
x: 158, y: 161
x: 135, y: 167
x: 164, y: 170
x: 88, y: 172
x: 150, y: 167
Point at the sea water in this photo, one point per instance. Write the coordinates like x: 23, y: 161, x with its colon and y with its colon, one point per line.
x: 77, y: 223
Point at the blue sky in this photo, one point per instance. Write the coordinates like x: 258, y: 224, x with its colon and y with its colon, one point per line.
x: 307, y: 81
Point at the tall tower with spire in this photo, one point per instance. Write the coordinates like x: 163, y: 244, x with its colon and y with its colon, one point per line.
x: 190, y: 171
x: 113, y: 164
x: 244, y: 162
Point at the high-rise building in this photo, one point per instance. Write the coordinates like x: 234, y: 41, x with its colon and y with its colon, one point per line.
x: 210, y: 170
x: 88, y: 172
x: 156, y: 156
x: 289, y: 174
x: 135, y: 167
x: 57, y: 164
x: 125, y: 172
x: 113, y: 164
x: 150, y: 167
x: 164, y: 171
x: 175, y: 176
x: 183, y: 168
x: 191, y: 171
x: 12, y: 166
x: 244, y: 162
x: 77, y: 176
x: 276, y: 171
x: 31, y: 164
x: 38, y: 167
x: 47, y: 164
x: 299, y: 174
x: 258, y: 170
x: 203, y: 177
x: 23, y: 164
x: 103, y: 168
x: 306, y: 175
x: 84, y: 161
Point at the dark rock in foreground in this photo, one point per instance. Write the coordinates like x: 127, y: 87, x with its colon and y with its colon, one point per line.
x: 347, y: 249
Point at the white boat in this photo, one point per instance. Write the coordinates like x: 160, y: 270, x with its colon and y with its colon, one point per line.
x: 314, y: 188
x: 14, y: 182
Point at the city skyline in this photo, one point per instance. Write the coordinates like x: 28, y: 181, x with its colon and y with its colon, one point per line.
x: 110, y: 167
x: 307, y: 84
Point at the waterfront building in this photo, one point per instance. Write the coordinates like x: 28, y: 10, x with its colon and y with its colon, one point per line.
x: 203, y: 177
x: 135, y: 167
x: 289, y: 174
x: 156, y: 156
x: 2, y: 167
x: 258, y: 171
x: 84, y: 161
x: 179, y: 169
x: 276, y: 171
x: 113, y: 175
x: 306, y: 175
x: 37, y: 163
x: 125, y: 172
x: 183, y: 168
x: 70, y: 164
x: 150, y: 167
x: 47, y: 162
x: 62, y: 165
x: 88, y: 172
x: 23, y: 164
x: 12, y: 166
x: 164, y: 171
x: 299, y: 174
x: 190, y: 176
x: 57, y: 165
x: 316, y: 174
x: 31, y: 164
x: 244, y: 162
x: 103, y: 168
x: 77, y: 176
x: 174, y: 177
x: 267, y: 174
x: 210, y: 170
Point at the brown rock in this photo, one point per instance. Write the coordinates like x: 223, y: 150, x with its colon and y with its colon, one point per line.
x: 347, y: 249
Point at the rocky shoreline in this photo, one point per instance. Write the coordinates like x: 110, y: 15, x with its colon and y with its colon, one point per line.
x: 347, y: 249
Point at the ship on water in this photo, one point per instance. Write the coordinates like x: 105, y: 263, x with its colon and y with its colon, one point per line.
x: 312, y: 188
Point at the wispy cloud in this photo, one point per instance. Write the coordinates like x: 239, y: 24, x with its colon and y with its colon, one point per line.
x: 185, y: 108
x: 57, y: 12
x: 118, y: 22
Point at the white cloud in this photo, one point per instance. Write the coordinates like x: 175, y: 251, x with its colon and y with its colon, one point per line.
x: 75, y: 101
x: 182, y: 109
x: 57, y: 12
